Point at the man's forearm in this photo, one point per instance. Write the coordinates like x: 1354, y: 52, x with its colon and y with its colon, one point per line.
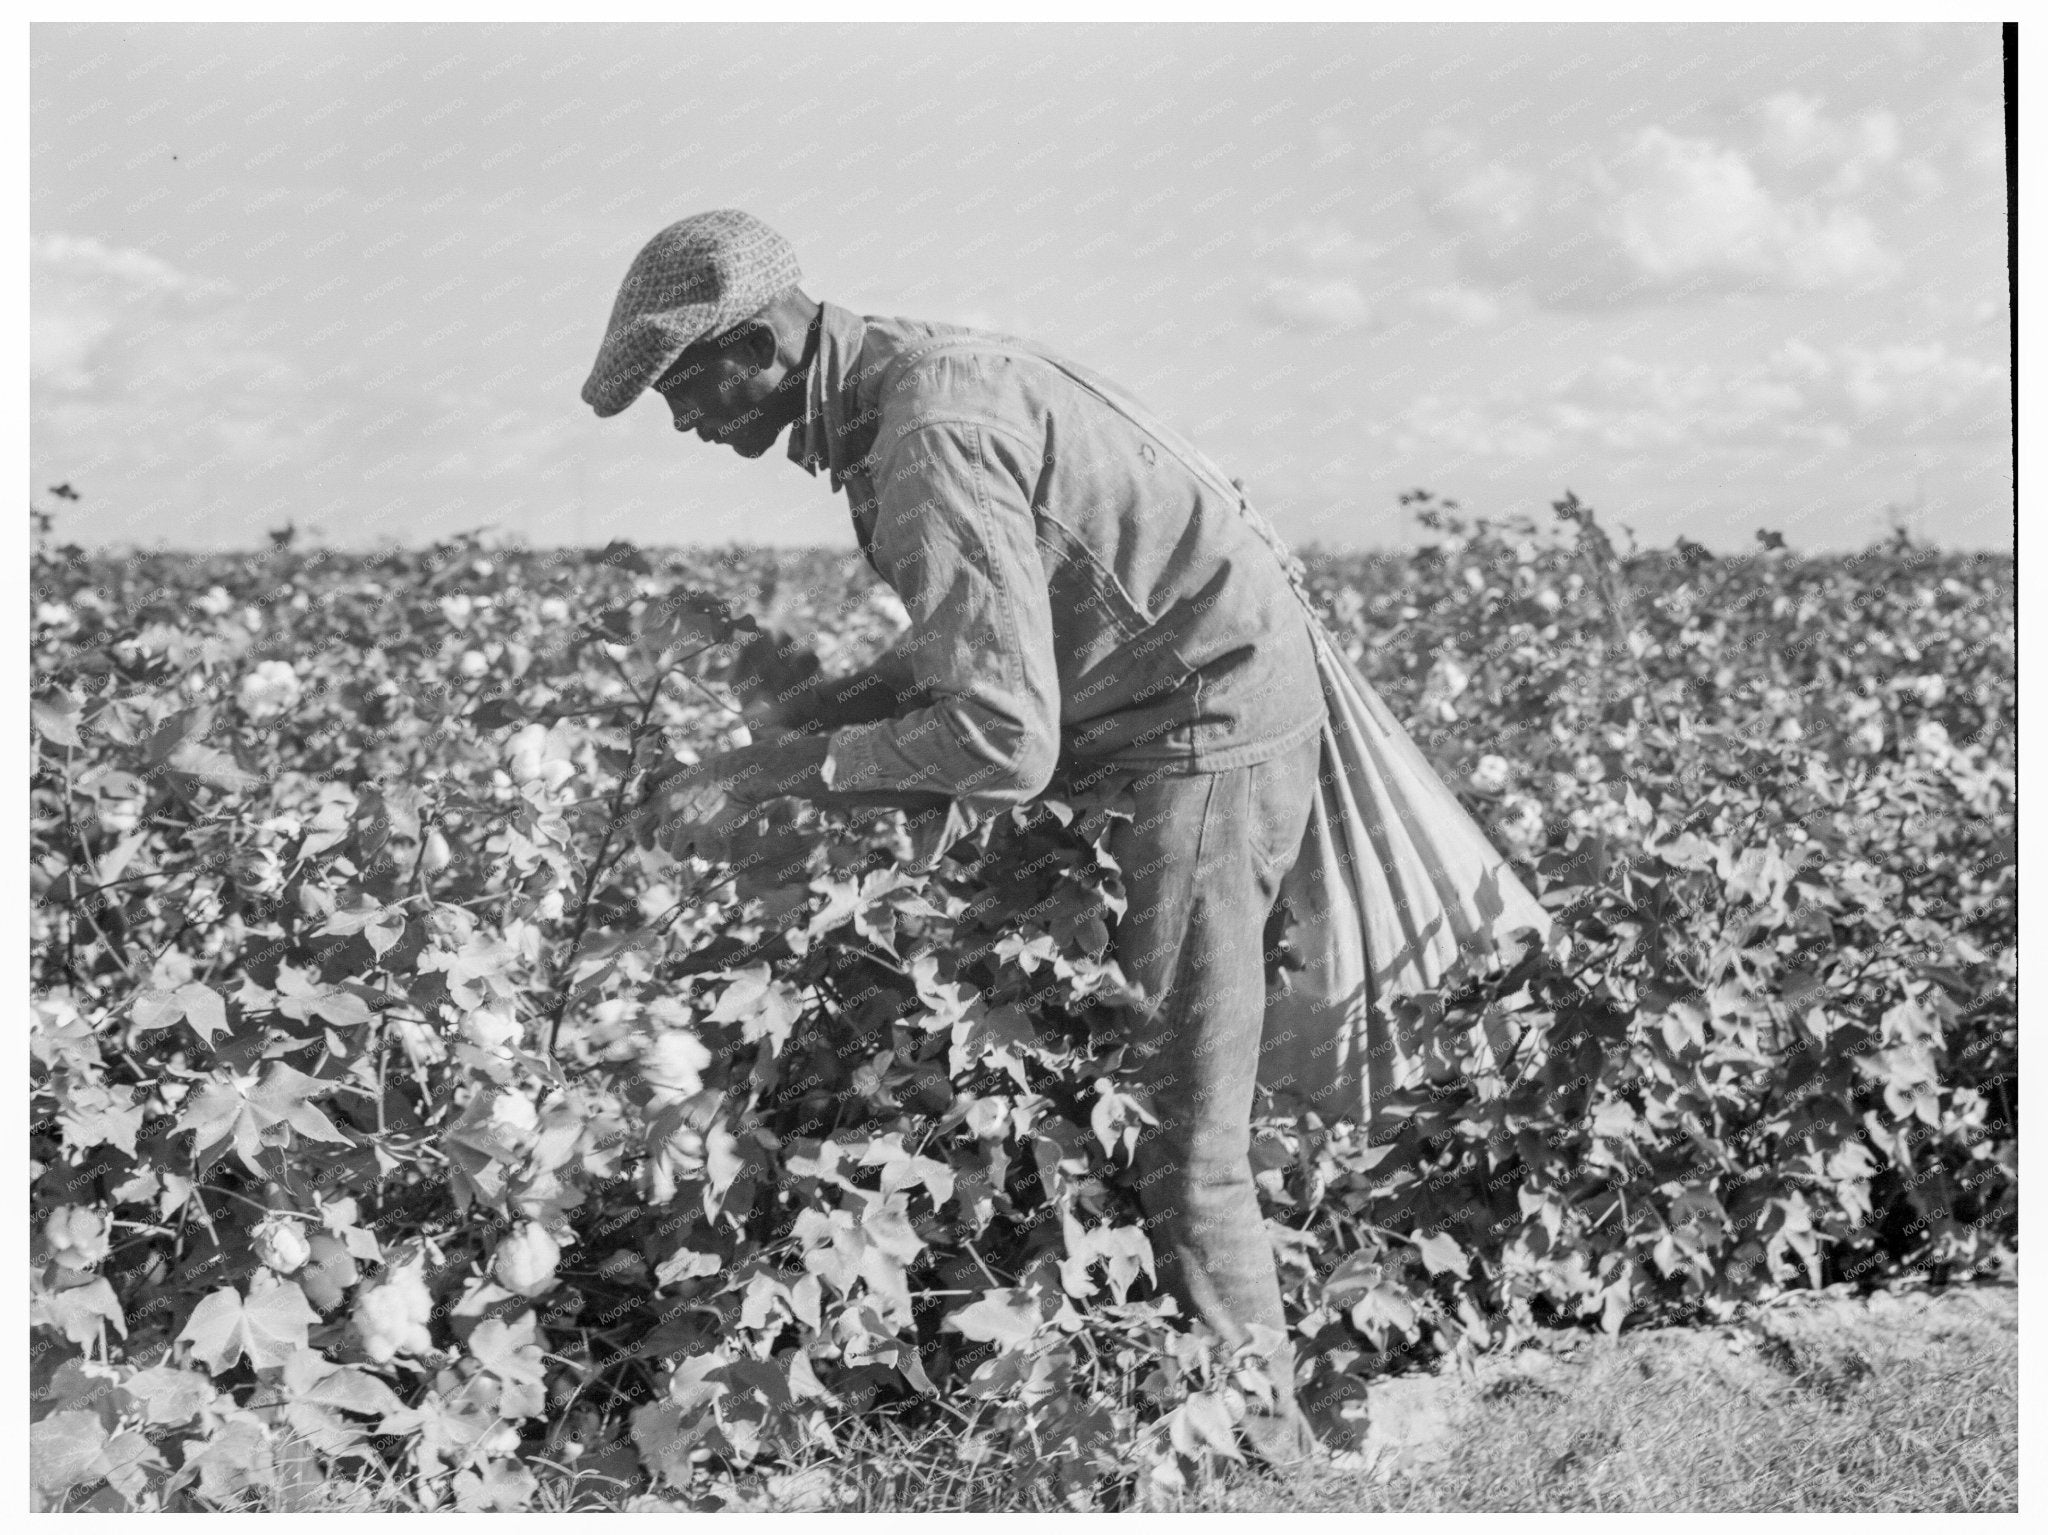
x: 795, y: 765
x: 877, y: 692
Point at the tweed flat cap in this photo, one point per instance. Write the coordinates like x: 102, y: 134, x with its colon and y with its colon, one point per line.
x: 696, y: 279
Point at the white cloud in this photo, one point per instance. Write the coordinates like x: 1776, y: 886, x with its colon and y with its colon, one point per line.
x: 1806, y: 148
x: 1323, y: 281
x: 82, y: 293
x: 1323, y: 305
x: 1657, y: 216
x: 1802, y: 395
x: 1457, y: 303
x: 129, y: 354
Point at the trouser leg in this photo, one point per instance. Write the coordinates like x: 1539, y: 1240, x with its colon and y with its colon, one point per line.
x: 1201, y: 875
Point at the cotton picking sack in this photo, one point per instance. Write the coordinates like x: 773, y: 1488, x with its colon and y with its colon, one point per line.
x: 1394, y: 890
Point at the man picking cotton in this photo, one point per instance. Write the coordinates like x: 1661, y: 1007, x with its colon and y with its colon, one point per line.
x: 1092, y: 608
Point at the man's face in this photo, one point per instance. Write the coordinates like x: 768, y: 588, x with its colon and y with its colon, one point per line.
x: 724, y: 391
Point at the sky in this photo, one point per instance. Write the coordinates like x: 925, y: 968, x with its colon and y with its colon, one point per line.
x: 1707, y: 278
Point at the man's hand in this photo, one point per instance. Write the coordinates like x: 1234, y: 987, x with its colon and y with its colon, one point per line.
x: 702, y: 804
x: 690, y: 804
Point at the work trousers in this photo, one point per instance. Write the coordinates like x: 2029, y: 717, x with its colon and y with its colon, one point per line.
x: 1202, y: 859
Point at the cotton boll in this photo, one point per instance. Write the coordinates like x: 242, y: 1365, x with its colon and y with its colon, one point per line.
x: 281, y: 1244
x: 673, y: 1063
x: 269, y: 690
x: 78, y: 1237
x: 492, y: 1029
x: 391, y: 1318
x: 513, y: 1118
x: 1491, y: 775
x: 526, y: 1260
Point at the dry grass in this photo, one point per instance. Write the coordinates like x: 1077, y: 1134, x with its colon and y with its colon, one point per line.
x: 1899, y: 1404
x: 1901, y: 1407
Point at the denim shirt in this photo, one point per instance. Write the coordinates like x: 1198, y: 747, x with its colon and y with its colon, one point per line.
x: 1086, y: 590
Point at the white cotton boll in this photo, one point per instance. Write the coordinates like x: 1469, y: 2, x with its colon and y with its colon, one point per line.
x: 492, y: 1029
x: 473, y: 663
x: 1931, y: 689
x: 269, y: 690
x: 1868, y: 736
x: 531, y: 757
x: 281, y: 1244
x: 456, y: 608
x: 553, y: 610
x: 1931, y: 736
x: 79, y: 1237
x: 1491, y: 775
x: 214, y: 601
x: 891, y: 609
x: 526, y: 1260
x: 391, y: 1318
x: 513, y: 1117
x: 524, y: 751
x: 1521, y: 823
x: 1589, y: 768
x: 54, y: 615
x: 120, y: 816
x: 673, y: 1063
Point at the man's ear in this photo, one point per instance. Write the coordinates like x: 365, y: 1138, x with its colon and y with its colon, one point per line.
x: 757, y: 346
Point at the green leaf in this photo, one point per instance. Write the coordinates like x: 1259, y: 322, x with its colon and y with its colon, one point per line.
x: 1007, y: 1318
x: 1442, y: 1255
x: 94, y: 1114
x: 763, y: 1007
x: 235, y: 1456
x: 665, y: 1433
x: 56, y: 715
x: 502, y: 1485
x: 81, y: 1307
x: 195, y: 1002
x: 1202, y: 1422
x: 258, y: 1115
x: 64, y: 1450
x: 497, y: 714
x: 269, y: 1327
x: 1383, y: 1307
x: 212, y: 766
x: 512, y: 1353
x: 170, y: 1395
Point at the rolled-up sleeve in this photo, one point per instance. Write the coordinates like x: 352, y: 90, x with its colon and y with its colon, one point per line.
x: 955, y: 536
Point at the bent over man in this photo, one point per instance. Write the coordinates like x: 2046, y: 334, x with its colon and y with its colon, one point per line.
x: 1091, y: 603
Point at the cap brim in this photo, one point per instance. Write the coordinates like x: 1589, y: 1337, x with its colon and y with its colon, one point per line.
x: 633, y: 357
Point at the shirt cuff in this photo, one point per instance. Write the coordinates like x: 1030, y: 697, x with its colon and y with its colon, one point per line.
x: 850, y: 765
x: 850, y: 758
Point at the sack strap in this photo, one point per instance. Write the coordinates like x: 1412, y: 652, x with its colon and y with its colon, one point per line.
x: 1128, y: 407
